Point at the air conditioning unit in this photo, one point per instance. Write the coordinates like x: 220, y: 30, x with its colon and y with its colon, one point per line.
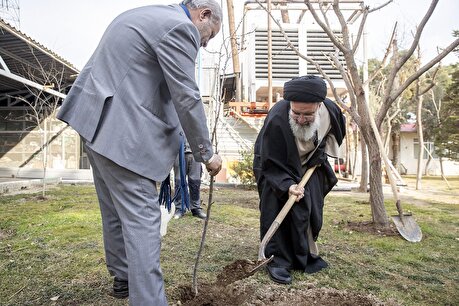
x: 310, y: 41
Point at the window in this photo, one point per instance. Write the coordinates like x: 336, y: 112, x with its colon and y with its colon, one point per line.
x: 427, y: 145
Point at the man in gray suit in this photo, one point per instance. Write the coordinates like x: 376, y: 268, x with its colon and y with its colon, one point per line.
x: 129, y: 104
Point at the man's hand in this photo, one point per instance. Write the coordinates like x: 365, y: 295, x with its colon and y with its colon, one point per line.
x: 214, y: 165
x: 296, y: 191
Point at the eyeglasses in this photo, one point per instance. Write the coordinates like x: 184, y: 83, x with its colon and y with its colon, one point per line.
x: 295, y: 115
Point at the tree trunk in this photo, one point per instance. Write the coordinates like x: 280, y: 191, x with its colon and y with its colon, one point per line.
x: 426, y: 168
x: 388, y: 136
x: 347, y: 161
x: 421, y: 142
x: 441, y: 166
x: 442, y: 173
x: 45, y: 156
x: 285, y: 16
x: 284, y: 11
x: 396, y: 150
x: 356, y: 145
x: 375, y: 149
x: 376, y: 192
x: 364, y: 173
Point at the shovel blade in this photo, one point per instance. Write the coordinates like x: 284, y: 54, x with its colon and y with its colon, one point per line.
x: 408, y: 228
x: 261, y: 263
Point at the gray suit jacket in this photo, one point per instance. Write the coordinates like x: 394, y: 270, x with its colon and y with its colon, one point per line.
x: 138, y: 90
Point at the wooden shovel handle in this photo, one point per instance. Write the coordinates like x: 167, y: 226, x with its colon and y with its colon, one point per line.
x: 280, y: 217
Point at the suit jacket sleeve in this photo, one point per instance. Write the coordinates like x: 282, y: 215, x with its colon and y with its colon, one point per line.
x: 176, y: 53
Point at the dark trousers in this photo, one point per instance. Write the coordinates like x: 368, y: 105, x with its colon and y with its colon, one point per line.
x: 193, y: 171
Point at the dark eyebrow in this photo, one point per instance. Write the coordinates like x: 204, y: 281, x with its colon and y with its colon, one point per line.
x: 304, y: 114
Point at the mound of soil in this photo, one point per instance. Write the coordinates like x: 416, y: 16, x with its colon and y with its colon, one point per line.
x: 248, y: 293
x: 238, y: 270
x: 234, y: 288
x: 370, y: 228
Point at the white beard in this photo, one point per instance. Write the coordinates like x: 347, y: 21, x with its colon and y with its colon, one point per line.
x: 304, y: 132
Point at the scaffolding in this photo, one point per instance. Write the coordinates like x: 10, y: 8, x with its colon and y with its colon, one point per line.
x: 10, y: 12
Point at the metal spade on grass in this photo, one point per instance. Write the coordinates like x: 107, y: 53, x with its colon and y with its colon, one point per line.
x: 406, y: 225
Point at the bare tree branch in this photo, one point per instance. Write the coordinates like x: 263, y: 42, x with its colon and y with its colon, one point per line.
x: 344, y: 27
x: 301, y: 16
x: 389, y: 119
x: 386, y: 56
x: 344, y: 48
x: 423, y: 69
x: 361, y: 28
x: 380, y: 7
x: 347, y: 80
x: 432, y: 84
x: 290, y: 44
x: 412, y: 48
x: 324, y: 13
x: 330, y: 34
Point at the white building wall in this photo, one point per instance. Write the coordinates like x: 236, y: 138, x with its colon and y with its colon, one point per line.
x: 409, y: 161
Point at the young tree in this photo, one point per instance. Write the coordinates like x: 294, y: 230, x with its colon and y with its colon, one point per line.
x: 447, y: 133
x: 42, y: 106
x: 433, y: 114
x: 418, y: 98
x: 227, y: 51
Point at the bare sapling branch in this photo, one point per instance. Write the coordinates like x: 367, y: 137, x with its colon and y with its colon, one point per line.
x: 361, y: 29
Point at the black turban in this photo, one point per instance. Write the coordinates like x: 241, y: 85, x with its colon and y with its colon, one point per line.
x: 308, y: 88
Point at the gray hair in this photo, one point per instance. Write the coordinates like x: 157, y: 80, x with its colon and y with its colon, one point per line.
x: 212, y: 5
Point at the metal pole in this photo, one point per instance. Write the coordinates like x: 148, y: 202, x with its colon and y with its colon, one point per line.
x: 234, y: 49
x: 270, y: 80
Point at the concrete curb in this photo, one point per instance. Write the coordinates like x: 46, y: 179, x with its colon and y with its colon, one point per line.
x: 18, y: 185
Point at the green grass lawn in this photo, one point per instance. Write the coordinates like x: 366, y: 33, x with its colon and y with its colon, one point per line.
x: 51, y: 251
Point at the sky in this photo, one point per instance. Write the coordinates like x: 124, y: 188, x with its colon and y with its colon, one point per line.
x: 72, y: 29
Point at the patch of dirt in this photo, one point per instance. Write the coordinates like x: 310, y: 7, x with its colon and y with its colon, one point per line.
x: 371, y: 228
x: 6, y: 233
x: 231, y: 289
x: 212, y: 295
x: 238, y: 270
x: 236, y: 286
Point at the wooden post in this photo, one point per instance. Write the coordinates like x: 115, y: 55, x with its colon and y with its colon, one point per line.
x: 284, y: 12
x: 270, y: 79
x: 234, y: 49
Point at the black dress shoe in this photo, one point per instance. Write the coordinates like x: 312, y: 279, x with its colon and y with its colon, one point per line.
x: 198, y: 213
x: 120, y: 288
x: 279, y: 275
x: 315, y: 264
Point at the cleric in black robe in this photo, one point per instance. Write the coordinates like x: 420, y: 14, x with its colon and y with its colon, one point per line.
x: 280, y: 161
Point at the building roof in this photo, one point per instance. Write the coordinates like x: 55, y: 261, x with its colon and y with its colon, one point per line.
x: 23, y: 57
x: 408, y: 128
